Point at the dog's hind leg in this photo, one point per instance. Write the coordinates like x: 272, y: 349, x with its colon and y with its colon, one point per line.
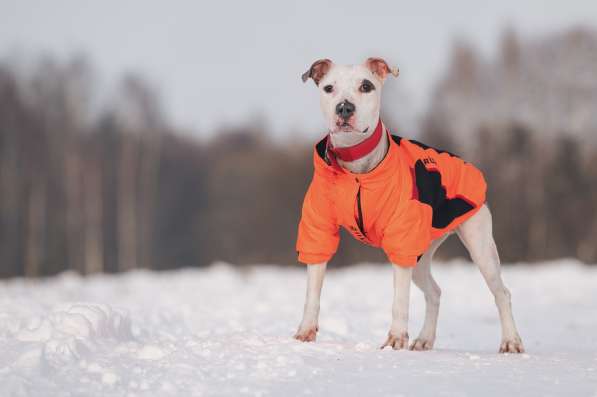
x: 424, y: 280
x: 476, y: 235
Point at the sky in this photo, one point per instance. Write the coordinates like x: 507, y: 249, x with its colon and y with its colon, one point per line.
x: 226, y: 62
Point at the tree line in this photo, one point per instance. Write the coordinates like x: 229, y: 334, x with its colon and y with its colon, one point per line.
x: 117, y: 187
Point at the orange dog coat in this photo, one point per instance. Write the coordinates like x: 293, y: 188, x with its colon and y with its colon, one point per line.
x: 416, y: 194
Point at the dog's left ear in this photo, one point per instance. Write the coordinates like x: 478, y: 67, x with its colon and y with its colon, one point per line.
x: 380, y: 67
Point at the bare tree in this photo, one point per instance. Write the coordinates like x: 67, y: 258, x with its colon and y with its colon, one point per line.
x: 35, y: 232
x: 93, y: 232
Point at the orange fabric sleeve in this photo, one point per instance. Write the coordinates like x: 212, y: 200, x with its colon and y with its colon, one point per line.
x: 408, y: 234
x: 318, y: 235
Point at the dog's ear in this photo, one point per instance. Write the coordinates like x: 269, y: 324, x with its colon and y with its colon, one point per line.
x: 317, y: 70
x: 380, y: 67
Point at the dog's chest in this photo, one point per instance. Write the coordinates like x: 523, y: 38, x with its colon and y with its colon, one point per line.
x: 365, y: 208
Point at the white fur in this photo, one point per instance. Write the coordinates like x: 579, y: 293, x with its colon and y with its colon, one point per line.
x: 310, y: 324
x: 475, y: 233
x: 346, y: 80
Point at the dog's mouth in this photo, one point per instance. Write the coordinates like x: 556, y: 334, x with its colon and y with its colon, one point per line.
x: 345, y: 126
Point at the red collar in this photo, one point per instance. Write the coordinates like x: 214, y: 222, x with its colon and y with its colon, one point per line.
x: 357, y: 151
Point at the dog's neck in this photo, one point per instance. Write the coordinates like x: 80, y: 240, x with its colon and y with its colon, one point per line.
x: 367, y: 162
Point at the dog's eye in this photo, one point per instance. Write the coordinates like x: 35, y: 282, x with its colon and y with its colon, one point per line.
x: 328, y: 88
x: 366, y: 86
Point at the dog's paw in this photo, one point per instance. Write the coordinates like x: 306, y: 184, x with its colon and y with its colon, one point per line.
x: 512, y: 345
x: 396, y: 342
x: 307, y: 334
x: 421, y: 344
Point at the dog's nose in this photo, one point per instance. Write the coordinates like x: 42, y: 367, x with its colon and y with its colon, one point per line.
x: 345, y: 109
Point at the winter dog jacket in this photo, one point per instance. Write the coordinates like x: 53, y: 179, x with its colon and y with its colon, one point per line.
x: 416, y: 194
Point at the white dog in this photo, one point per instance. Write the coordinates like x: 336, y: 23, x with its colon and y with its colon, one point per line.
x: 350, y: 101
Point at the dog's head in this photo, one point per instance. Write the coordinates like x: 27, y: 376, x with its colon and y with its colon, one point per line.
x: 350, y: 94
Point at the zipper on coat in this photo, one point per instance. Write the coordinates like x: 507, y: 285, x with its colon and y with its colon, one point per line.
x: 360, y: 222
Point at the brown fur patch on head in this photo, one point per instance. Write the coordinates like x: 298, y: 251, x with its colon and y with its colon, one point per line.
x: 317, y: 70
x: 380, y: 67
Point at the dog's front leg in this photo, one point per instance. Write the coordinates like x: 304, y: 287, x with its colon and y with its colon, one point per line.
x: 398, y: 335
x: 308, y: 328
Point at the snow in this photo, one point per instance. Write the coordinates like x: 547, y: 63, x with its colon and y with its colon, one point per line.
x: 221, y: 331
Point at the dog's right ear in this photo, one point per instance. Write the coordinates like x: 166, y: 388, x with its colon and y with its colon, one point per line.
x: 317, y: 70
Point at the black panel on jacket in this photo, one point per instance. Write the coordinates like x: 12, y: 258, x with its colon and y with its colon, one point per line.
x: 431, y: 191
x: 396, y: 139
x: 321, y: 147
x: 422, y: 145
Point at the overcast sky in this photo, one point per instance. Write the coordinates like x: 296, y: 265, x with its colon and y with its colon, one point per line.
x: 224, y: 61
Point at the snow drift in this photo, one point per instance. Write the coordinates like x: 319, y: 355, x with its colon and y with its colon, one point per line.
x: 221, y: 331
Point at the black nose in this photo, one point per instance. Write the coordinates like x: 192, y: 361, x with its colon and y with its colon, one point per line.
x: 345, y: 109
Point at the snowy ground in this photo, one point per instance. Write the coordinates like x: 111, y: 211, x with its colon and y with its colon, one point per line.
x: 221, y: 332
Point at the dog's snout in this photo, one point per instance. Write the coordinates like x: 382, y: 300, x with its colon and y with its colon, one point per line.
x: 345, y: 109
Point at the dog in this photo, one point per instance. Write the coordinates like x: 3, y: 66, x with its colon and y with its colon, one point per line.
x: 394, y: 193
